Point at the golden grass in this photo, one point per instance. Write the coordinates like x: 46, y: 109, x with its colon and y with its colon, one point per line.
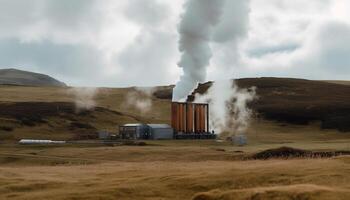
x: 177, y: 170
x: 167, y: 172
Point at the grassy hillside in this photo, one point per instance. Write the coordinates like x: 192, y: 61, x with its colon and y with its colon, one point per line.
x: 49, y: 112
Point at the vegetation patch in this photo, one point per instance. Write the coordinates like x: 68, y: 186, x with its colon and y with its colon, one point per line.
x: 288, y: 152
x: 6, y: 128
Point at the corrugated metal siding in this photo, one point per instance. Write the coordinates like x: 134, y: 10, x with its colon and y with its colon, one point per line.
x: 162, y: 133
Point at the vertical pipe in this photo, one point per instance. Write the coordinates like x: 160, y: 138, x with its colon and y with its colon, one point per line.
x: 202, y: 118
x: 183, y: 117
x: 174, y: 115
x: 177, y: 117
x: 197, y: 119
x: 188, y: 117
x: 192, y: 118
x: 207, y: 118
x: 180, y: 117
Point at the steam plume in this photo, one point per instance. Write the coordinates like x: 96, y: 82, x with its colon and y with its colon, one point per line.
x: 195, y: 31
x: 84, y: 98
x: 205, y: 22
x: 219, y: 22
x: 140, y: 98
x: 229, y: 114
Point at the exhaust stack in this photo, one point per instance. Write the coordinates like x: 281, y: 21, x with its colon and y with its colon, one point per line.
x: 190, y: 120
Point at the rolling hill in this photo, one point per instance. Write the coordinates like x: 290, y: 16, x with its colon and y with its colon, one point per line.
x: 19, y: 77
x: 283, y: 105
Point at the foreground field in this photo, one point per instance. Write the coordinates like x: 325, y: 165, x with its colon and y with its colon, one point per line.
x: 172, y: 170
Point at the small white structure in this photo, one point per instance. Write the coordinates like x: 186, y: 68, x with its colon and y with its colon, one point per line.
x: 160, y: 132
x: 30, y: 141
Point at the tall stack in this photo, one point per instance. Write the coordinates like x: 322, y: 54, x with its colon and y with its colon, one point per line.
x: 190, y: 118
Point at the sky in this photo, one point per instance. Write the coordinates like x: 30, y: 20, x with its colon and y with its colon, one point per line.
x: 135, y: 42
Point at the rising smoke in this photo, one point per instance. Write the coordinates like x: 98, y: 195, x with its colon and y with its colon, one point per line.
x: 229, y: 112
x: 84, y: 97
x: 203, y: 23
x: 140, y: 98
x: 195, y: 31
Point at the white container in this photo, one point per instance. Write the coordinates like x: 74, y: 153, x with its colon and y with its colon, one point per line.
x: 30, y: 141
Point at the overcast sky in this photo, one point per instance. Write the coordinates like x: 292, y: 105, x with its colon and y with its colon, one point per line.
x: 134, y: 42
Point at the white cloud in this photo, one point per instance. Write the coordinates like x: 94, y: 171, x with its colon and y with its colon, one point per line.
x: 297, y: 39
x: 83, y: 40
x: 114, y: 43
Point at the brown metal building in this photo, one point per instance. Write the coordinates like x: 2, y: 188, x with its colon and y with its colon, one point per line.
x: 190, y: 120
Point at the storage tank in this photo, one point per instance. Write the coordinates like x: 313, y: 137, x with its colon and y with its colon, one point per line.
x: 30, y: 141
x: 190, y: 120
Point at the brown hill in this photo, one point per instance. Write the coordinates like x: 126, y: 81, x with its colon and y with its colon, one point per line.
x: 56, y: 120
x: 19, y: 77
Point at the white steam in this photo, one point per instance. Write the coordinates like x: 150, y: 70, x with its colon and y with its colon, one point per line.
x: 205, y: 22
x: 140, y: 98
x: 195, y: 31
x: 84, y: 97
x: 229, y: 113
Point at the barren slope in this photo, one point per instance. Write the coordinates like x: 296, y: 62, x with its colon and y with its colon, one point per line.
x: 19, y: 77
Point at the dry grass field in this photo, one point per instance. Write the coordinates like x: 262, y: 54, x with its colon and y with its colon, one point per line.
x: 170, y: 170
x: 200, y: 170
x: 181, y: 169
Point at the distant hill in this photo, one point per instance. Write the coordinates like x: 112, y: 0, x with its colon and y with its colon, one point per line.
x: 19, y: 77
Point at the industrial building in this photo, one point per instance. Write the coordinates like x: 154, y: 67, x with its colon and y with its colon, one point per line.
x: 134, y: 131
x: 146, y: 131
x: 190, y: 120
x: 160, y: 131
